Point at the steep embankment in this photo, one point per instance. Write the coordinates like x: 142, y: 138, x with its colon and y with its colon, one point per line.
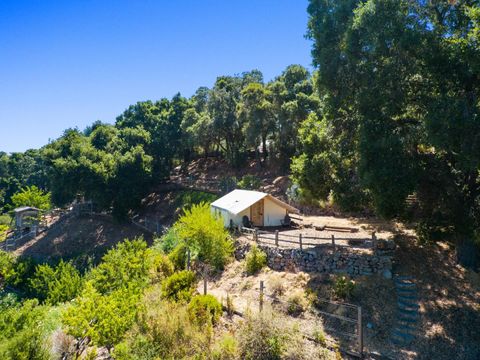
x: 79, y: 238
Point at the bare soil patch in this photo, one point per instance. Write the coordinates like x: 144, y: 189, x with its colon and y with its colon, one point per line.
x: 79, y: 238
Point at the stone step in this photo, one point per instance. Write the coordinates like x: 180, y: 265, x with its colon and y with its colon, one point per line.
x: 408, y: 297
x: 405, y: 285
x: 404, y: 278
x: 408, y: 313
x: 407, y: 305
x: 407, y: 338
x: 407, y: 328
x: 407, y: 320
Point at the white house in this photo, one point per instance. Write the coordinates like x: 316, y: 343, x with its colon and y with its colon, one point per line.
x: 260, y: 208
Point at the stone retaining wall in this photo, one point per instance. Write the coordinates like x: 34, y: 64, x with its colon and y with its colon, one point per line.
x: 325, y: 260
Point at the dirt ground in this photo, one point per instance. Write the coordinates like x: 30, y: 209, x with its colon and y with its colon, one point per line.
x: 80, y: 238
x: 449, y: 295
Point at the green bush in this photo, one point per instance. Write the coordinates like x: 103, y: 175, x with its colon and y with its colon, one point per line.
x: 5, y: 219
x: 103, y: 318
x: 168, y: 241
x: 164, y: 330
x: 255, y: 260
x: 205, y: 235
x: 128, y: 264
x: 179, y: 286
x: 343, y: 288
x: 3, y: 232
x: 297, y: 303
x: 22, y: 332
x: 249, y: 182
x: 178, y: 256
x: 225, y: 348
x: 16, y: 271
x: 204, y: 309
x: 161, y: 267
x: 54, y: 285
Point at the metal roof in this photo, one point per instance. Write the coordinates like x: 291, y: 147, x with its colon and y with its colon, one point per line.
x: 25, y: 208
x: 238, y: 200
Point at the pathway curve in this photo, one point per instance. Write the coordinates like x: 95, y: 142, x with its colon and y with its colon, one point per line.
x: 407, y: 311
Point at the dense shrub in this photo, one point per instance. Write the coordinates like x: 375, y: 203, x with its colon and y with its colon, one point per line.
x: 204, y: 309
x: 180, y: 286
x: 103, y: 318
x: 161, y: 267
x: 164, y: 330
x: 22, y: 332
x: 16, y: 271
x: 128, y: 264
x: 249, y: 182
x: 343, y: 288
x: 178, y: 256
x: 255, y: 260
x: 205, y: 235
x: 3, y: 231
x: 168, y: 241
x: 276, y: 285
x: 55, y: 284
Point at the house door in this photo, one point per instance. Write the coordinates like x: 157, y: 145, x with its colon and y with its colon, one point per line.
x: 256, y: 213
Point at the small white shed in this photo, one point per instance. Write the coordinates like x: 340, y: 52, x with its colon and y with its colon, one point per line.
x: 261, y: 209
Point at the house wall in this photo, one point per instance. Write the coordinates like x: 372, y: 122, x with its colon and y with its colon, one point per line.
x: 273, y: 213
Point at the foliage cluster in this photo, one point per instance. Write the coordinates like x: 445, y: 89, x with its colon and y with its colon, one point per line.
x: 255, y: 260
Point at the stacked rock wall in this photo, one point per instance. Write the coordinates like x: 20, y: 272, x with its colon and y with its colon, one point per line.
x: 325, y: 260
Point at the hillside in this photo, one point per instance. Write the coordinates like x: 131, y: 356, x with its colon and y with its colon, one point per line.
x: 80, y: 238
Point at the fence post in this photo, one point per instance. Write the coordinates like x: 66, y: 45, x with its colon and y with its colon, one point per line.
x: 360, y: 332
x: 188, y: 259
x: 205, y: 285
x: 374, y: 240
x: 255, y: 235
x: 333, y: 242
x: 276, y: 238
x: 300, y: 241
x: 261, y: 295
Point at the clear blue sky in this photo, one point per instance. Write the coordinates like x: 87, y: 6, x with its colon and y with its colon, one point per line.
x: 68, y: 63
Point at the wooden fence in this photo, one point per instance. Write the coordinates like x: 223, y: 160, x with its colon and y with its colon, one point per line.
x: 302, y: 241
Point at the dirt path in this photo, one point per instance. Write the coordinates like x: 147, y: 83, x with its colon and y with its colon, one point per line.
x: 449, y: 302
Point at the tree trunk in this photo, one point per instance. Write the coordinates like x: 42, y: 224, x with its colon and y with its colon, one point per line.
x: 264, y: 147
x: 468, y: 253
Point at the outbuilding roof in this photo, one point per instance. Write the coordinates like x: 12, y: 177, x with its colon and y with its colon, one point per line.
x: 238, y: 200
x: 25, y: 208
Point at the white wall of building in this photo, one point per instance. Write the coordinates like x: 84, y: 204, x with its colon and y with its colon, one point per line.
x: 273, y: 214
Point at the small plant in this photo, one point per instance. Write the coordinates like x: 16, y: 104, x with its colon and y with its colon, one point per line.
x: 320, y: 337
x: 276, y: 285
x: 225, y: 348
x: 343, y: 288
x: 179, y: 286
x: 297, y: 303
x: 229, y: 306
x: 204, y: 309
x: 255, y: 260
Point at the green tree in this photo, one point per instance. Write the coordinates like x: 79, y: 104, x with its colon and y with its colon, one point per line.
x: 32, y: 196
